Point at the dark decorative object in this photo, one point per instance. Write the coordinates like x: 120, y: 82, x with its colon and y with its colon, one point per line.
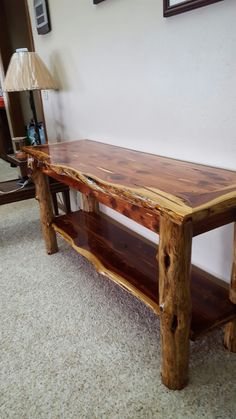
x: 174, y: 7
x: 42, y: 17
x: 97, y: 1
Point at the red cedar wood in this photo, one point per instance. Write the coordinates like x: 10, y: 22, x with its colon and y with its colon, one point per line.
x: 230, y: 329
x: 186, y: 197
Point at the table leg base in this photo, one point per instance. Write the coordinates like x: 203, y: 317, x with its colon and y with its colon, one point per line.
x: 230, y: 336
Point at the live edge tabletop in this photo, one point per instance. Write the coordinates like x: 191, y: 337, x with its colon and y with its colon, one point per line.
x: 177, y: 200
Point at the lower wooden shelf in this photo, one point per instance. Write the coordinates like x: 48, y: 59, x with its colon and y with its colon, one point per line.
x: 130, y: 260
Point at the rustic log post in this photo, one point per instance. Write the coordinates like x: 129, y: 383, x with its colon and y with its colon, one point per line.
x: 230, y: 336
x: 230, y: 328
x: 175, y: 300
x: 46, y: 213
x: 89, y: 203
x: 232, y: 292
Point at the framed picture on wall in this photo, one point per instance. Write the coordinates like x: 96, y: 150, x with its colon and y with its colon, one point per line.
x: 42, y: 17
x: 174, y: 7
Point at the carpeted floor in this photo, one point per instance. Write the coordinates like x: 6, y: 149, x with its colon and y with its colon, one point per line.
x: 75, y: 345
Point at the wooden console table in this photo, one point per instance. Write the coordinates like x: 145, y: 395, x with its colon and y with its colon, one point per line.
x: 177, y: 200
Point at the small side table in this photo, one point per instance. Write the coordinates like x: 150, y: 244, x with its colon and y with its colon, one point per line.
x: 28, y: 191
x: 22, y: 164
x: 5, y: 136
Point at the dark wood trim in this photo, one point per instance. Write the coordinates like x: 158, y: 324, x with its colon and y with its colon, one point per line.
x: 12, y: 103
x: 5, y: 46
x: 28, y: 192
x: 5, y: 135
x: 184, y: 6
x: 36, y: 93
x: 28, y: 21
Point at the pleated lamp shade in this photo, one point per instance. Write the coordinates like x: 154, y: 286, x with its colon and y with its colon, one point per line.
x: 27, y: 71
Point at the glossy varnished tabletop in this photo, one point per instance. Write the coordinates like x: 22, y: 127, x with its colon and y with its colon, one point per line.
x: 161, y: 183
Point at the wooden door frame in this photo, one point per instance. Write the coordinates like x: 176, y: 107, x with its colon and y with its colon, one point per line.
x: 12, y: 101
x: 30, y: 32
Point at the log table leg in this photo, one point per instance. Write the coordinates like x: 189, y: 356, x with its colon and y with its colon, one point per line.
x: 89, y: 203
x: 230, y: 329
x: 175, y: 301
x: 46, y: 213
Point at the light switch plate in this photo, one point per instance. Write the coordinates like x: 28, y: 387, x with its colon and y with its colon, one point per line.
x: 44, y: 94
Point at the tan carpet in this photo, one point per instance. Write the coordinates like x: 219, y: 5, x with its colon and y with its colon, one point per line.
x: 75, y: 345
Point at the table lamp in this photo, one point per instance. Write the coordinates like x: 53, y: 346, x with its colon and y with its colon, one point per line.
x: 27, y: 72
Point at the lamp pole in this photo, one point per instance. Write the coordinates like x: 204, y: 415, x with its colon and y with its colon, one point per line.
x: 32, y: 105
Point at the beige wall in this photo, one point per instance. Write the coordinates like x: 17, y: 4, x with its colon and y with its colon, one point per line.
x: 130, y: 77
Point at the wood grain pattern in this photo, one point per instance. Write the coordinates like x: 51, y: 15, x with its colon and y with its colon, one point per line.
x: 178, y: 198
x: 130, y: 260
x: 140, y: 214
x: 114, y: 250
x: 232, y: 292
x: 46, y: 213
x: 230, y: 330
x: 175, y: 301
x: 89, y: 203
x: 161, y: 184
x: 145, y: 216
x: 230, y: 336
x: 5, y: 135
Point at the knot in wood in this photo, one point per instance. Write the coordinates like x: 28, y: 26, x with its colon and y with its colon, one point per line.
x: 167, y: 260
